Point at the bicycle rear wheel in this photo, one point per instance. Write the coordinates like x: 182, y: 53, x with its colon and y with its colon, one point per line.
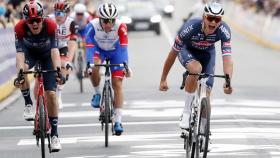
x: 203, y: 132
x: 80, y: 61
x: 42, y: 120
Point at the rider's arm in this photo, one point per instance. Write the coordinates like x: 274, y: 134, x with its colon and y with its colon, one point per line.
x: 122, y: 32
x: 226, y: 49
x: 20, y: 58
x: 90, y: 43
x: 72, y: 43
x: 178, y: 45
x: 168, y: 64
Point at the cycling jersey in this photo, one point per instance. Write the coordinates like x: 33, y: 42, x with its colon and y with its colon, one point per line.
x: 193, y: 37
x: 192, y: 44
x: 41, y: 43
x: 107, y: 44
x: 66, y: 31
x: 38, y: 47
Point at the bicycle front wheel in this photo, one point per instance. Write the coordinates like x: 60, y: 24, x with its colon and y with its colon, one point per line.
x: 107, y: 110
x: 204, y: 128
x: 42, y: 127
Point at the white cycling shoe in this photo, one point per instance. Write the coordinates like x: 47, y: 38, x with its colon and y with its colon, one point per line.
x: 28, y: 112
x: 55, y: 144
x: 184, y: 121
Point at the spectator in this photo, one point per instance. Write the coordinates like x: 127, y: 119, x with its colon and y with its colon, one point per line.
x: 2, y: 13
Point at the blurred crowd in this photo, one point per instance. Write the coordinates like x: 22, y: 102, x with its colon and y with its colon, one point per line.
x: 11, y: 10
x: 268, y: 7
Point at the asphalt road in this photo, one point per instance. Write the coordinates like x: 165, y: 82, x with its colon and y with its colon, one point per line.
x: 244, y: 124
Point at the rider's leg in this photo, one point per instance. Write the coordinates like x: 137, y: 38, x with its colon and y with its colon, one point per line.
x: 28, y: 112
x: 25, y: 89
x: 52, y: 104
x: 117, y: 78
x: 118, y: 98
x: 95, y: 80
x: 193, y: 66
x: 64, y: 72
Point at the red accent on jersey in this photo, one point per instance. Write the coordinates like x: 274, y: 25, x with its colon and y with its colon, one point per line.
x: 122, y: 32
x: 51, y: 26
x: 19, y: 29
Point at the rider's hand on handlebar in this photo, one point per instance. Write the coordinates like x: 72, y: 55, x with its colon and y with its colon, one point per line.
x: 60, y: 79
x: 227, y: 89
x: 18, y: 82
x: 68, y: 65
x: 163, y: 86
x: 128, y: 73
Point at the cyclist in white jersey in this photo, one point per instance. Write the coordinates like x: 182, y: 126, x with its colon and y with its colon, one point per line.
x: 67, y: 35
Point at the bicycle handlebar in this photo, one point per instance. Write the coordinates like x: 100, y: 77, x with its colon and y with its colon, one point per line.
x: 124, y: 64
x: 204, y: 75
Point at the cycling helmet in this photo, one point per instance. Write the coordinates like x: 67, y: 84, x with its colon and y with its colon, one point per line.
x: 214, y: 9
x: 62, y: 6
x: 80, y: 8
x: 33, y: 9
x: 107, y: 11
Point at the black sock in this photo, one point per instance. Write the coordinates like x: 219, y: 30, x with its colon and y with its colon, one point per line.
x: 53, y: 122
x: 26, y: 96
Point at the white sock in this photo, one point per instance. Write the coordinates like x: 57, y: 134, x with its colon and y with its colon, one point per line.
x: 188, y: 101
x: 118, y: 115
x: 97, y: 90
x: 59, y: 91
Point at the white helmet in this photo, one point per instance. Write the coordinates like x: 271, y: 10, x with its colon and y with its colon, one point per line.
x: 108, y: 11
x: 80, y: 8
x: 214, y: 9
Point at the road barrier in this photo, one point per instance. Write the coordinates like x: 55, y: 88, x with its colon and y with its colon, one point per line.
x: 261, y: 28
x: 7, y: 62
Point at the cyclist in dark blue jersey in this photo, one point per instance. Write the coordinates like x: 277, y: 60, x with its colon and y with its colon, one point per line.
x: 36, y: 41
x: 195, y: 48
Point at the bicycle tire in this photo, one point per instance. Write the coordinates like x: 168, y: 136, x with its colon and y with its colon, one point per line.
x: 107, y: 113
x: 42, y: 120
x: 204, y: 107
x: 80, y: 71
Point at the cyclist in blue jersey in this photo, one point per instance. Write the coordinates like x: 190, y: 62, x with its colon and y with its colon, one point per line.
x: 107, y: 38
x: 195, y: 48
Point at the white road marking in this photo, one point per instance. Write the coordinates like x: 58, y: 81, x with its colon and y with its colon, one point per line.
x: 123, y: 138
x: 92, y: 125
x: 150, y: 104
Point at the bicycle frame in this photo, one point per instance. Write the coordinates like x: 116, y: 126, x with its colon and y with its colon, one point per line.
x: 41, y: 93
x: 196, y: 105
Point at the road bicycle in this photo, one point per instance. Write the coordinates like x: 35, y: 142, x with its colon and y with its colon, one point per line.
x: 196, y: 138
x: 42, y: 128
x: 106, y: 109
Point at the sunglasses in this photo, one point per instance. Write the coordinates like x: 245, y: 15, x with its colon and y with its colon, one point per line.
x: 32, y: 20
x: 214, y: 18
x: 80, y: 14
x: 59, y: 13
x: 106, y: 21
